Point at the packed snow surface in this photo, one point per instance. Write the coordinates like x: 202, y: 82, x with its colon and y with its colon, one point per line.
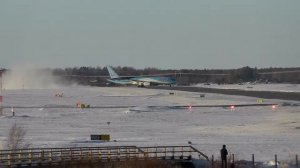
x: 255, y: 87
x: 259, y: 130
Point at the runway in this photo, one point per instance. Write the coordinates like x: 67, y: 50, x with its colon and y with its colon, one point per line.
x: 259, y: 94
x: 152, y: 107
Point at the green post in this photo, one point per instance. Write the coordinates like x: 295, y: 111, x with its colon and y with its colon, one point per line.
x: 253, y: 161
x: 297, y: 164
x: 212, y: 161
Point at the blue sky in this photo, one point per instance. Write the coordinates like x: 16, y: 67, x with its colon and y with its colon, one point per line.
x: 154, y: 33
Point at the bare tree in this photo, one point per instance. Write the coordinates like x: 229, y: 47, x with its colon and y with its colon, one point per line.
x: 15, y: 139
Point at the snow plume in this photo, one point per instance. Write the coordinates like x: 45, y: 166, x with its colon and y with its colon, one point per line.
x: 30, y: 78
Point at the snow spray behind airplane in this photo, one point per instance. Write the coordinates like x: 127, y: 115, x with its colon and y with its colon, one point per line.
x: 30, y: 78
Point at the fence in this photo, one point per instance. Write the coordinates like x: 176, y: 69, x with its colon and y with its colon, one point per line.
x: 232, y: 163
x: 52, y: 156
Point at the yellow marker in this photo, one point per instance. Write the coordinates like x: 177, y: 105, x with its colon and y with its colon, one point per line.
x: 260, y: 100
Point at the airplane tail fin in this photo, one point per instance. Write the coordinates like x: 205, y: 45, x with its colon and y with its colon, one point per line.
x: 112, y: 73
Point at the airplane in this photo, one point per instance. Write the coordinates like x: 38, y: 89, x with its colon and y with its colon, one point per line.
x: 140, y: 81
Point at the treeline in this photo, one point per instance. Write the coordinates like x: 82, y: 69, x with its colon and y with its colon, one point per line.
x: 98, y: 75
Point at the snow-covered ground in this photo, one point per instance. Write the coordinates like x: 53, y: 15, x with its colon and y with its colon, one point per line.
x: 258, y: 130
x: 256, y: 87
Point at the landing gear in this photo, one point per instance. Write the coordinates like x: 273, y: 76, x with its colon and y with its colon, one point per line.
x: 141, y: 85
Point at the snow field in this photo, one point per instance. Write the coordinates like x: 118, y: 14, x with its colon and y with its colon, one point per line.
x: 258, y: 130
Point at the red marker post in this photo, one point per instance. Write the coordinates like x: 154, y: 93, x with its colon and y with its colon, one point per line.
x: 232, y: 107
x: 274, y: 106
